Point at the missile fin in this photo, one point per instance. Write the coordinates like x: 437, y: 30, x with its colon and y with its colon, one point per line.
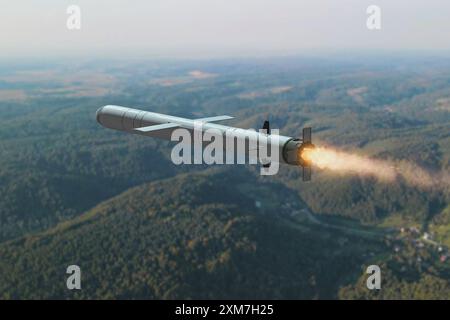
x: 157, y: 127
x: 216, y: 118
x: 307, y: 135
x: 266, y: 127
x: 306, y: 173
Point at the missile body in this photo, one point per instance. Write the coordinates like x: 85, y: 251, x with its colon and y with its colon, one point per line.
x: 162, y: 126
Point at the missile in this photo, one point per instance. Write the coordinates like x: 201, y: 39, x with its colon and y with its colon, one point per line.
x: 161, y: 126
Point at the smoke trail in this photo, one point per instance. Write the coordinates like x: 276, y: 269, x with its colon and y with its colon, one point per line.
x: 383, y: 170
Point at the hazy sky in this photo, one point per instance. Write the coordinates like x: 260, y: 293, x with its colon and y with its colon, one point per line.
x: 219, y: 27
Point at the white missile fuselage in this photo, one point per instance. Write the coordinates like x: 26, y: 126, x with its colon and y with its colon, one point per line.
x: 162, y: 126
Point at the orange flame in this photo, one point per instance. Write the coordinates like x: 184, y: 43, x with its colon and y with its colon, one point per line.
x: 386, y: 171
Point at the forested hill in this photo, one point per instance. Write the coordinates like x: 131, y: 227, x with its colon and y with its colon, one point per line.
x: 192, y: 236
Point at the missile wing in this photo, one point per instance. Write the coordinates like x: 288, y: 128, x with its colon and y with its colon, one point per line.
x: 175, y: 124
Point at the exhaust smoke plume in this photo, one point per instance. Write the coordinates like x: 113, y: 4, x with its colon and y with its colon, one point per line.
x: 383, y: 170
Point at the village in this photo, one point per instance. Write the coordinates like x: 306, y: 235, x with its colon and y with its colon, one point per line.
x: 421, y: 242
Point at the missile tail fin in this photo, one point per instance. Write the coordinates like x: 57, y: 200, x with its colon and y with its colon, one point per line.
x: 307, y: 142
x: 307, y: 135
x: 266, y: 127
x: 306, y: 173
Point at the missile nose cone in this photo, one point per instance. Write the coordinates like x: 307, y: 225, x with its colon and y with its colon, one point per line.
x: 98, y: 115
x: 111, y: 116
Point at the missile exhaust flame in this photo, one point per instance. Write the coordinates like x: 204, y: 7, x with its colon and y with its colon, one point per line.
x: 384, y: 170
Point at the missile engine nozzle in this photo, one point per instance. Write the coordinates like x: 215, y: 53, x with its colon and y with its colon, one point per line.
x: 305, y: 160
